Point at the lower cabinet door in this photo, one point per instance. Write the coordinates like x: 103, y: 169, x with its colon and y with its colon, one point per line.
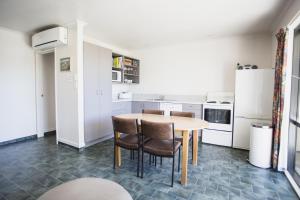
x: 137, y: 106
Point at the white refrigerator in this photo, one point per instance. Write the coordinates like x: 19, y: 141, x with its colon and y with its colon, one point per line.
x: 253, y: 102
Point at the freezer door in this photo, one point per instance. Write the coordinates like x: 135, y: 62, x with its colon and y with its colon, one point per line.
x: 254, y: 93
x: 241, y: 131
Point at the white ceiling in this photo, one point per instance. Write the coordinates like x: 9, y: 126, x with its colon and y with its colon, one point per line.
x: 144, y: 23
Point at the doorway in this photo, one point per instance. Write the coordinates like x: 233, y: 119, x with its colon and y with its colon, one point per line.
x: 45, y: 94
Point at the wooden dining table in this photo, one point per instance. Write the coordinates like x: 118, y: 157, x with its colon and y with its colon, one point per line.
x: 183, y: 124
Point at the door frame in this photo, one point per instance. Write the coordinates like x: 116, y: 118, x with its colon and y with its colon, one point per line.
x: 39, y: 129
x: 286, y: 156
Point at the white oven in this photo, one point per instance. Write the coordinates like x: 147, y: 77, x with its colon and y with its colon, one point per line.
x: 219, y: 116
x: 116, y: 76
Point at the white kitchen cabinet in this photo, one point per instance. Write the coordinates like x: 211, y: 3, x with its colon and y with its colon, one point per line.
x: 138, y: 106
x: 168, y: 107
x: 97, y: 92
x: 122, y: 107
x: 195, y: 108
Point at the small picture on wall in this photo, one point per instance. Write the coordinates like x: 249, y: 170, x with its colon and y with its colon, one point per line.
x: 65, y: 64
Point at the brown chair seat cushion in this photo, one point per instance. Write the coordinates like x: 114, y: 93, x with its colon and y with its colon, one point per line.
x: 161, y: 147
x: 128, y: 141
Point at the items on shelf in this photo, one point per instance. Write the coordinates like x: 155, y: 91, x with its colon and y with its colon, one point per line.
x: 128, y: 61
x: 129, y: 68
x: 135, y: 63
x: 131, y: 71
x: 248, y: 66
x: 117, y: 62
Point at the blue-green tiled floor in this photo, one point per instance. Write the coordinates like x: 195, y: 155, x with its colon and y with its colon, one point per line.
x: 28, y: 169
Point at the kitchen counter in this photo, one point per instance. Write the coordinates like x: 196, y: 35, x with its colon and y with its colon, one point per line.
x: 121, y: 100
x: 160, y: 101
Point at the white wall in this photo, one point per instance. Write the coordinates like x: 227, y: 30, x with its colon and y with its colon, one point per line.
x: 202, y: 66
x: 17, y: 86
x: 69, y: 89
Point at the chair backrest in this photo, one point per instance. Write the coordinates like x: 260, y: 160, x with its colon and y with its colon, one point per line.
x: 182, y: 114
x: 154, y: 112
x: 157, y: 130
x: 126, y: 126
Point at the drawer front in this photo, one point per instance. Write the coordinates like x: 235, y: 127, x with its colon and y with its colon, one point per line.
x: 217, y: 137
x: 119, y: 108
x: 137, y: 106
x: 151, y: 105
x: 195, y: 108
x: 191, y: 106
x: 168, y: 107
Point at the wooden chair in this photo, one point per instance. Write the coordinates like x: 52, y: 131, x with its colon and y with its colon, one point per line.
x: 184, y: 114
x: 154, y: 112
x: 130, y: 138
x: 162, y: 142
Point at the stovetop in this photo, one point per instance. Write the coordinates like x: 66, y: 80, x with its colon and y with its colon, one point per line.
x: 219, y: 102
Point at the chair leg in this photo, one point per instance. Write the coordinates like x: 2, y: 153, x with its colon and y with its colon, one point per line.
x: 114, y: 156
x: 142, y: 173
x: 161, y: 160
x: 132, y: 154
x: 138, y: 164
x: 149, y: 159
x: 155, y: 160
x: 192, y: 144
x: 173, y: 171
x: 179, y: 159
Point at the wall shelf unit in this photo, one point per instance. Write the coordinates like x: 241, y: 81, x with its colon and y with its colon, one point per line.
x: 129, y: 67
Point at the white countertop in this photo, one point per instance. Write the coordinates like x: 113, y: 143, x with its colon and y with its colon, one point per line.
x: 159, y: 101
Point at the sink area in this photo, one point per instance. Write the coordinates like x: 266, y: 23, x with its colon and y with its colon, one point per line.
x: 158, y: 99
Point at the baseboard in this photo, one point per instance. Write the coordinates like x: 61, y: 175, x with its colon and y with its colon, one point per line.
x: 87, y: 144
x: 70, y: 143
x: 50, y: 133
x: 293, y: 183
x: 22, y: 139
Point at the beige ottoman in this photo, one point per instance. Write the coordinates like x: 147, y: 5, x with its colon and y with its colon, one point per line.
x: 87, y: 189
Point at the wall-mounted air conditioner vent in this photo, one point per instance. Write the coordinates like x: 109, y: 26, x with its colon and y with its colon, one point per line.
x: 47, y: 40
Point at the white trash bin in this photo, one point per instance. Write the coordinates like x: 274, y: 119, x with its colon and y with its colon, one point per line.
x: 260, y: 145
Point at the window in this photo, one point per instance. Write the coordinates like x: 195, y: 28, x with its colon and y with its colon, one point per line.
x: 294, y: 120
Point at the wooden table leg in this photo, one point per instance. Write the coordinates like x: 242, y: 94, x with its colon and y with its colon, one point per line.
x: 118, y: 152
x: 185, y: 155
x: 195, y: 147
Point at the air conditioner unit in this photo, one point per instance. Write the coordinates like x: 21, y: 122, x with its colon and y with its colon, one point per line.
x: 47, y: 40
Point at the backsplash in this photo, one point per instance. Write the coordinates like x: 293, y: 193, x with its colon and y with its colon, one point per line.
x: 196, y: 98
x: 118, y: 88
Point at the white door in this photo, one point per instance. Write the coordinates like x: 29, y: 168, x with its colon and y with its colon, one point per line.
x: 241, y: 131
x: 106, y: 92
x: 92, y: 92
x: 45, y: 93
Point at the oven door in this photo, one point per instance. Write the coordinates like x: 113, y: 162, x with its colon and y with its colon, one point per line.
x: 219, y: 117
